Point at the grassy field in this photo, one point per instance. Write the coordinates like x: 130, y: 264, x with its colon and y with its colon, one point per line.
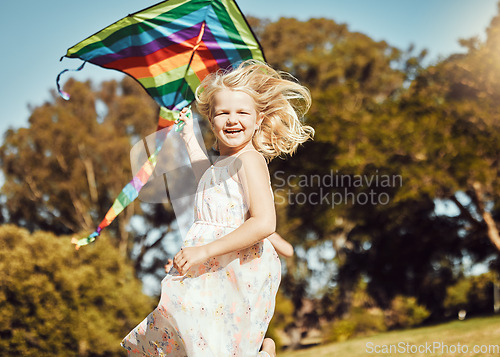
x: 459, y: 337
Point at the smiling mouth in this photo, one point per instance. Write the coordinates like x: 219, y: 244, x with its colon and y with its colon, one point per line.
x: 232, y: 131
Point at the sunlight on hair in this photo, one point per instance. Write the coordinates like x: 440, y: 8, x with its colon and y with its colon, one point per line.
x: 277, y: 95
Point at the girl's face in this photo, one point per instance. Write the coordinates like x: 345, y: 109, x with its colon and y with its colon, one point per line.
x: 235, y: 120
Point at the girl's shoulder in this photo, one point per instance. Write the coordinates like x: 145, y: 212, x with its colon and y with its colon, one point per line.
x: 249, y: 162
x: 250, y: 153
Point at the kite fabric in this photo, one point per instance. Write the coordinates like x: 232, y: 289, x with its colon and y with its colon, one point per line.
x: 169, y: 48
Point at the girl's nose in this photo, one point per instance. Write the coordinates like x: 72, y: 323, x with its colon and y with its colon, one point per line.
x: 232, y: 118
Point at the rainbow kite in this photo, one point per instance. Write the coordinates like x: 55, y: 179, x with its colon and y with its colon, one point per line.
x: 169, y: 48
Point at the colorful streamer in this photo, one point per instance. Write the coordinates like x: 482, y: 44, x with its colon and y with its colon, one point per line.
x: 129, y: 193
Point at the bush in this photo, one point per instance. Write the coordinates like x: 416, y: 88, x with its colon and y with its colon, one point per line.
x: 473, y: 294
x: 55, y: 301
x: 364, y: 317
x: 361, y: 322
x: 480, y: 296
x: 405, y: 312
x: 456, y: 296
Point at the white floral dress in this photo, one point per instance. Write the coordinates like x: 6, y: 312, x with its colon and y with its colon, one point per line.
x: 220, y: 308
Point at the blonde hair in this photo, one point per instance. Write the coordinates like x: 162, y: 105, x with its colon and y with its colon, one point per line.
x: 277, y: 95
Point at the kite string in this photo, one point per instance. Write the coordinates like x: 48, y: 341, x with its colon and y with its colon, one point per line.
x: 62, y: 93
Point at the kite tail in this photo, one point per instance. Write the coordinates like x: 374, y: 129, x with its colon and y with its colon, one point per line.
x: 87, y: 240
x: 131, y: 191
x: 62, y: 93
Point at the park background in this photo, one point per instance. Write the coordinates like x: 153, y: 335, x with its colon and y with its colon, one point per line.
x: 382, y: 108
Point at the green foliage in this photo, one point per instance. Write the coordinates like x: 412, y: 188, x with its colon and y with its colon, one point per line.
x: 364, y: 317
x: 411, y: 252
x: 55, y: 301
x: 340, y: 330
x: 481, y: 293
x: 473, y: 294
x: 405, y: 312
x: 361, y: 322
x: 456, y: 296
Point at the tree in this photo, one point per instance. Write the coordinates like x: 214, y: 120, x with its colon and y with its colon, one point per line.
x: 55, y: 301
x: 349, y: 76
x: 459, y: 99
x: 442, y: 136
x: 64, y: 171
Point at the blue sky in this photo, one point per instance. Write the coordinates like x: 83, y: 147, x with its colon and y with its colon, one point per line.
x: 35, y: 34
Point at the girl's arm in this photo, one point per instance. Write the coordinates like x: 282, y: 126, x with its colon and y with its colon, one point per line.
x: 199, y: 160
x: 281, y: 246
x: 254, y: 177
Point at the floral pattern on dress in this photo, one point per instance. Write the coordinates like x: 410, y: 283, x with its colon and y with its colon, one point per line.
x: 223, y: 306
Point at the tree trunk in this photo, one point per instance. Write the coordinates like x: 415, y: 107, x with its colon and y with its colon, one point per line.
x: 89, y: 169
x: 493, y: 233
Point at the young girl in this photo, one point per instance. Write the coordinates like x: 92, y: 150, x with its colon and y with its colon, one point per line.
x: 220, y: 298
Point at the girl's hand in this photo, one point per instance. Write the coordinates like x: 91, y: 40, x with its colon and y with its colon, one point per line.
x: 186, y: 122
x: 188, y: 257
x: 281, y: 246
x: 169, y: 265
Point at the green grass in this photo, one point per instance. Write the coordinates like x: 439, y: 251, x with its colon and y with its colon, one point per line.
x: 481, y: 331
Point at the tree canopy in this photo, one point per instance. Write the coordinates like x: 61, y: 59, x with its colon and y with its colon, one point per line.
x: 55, y: 301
